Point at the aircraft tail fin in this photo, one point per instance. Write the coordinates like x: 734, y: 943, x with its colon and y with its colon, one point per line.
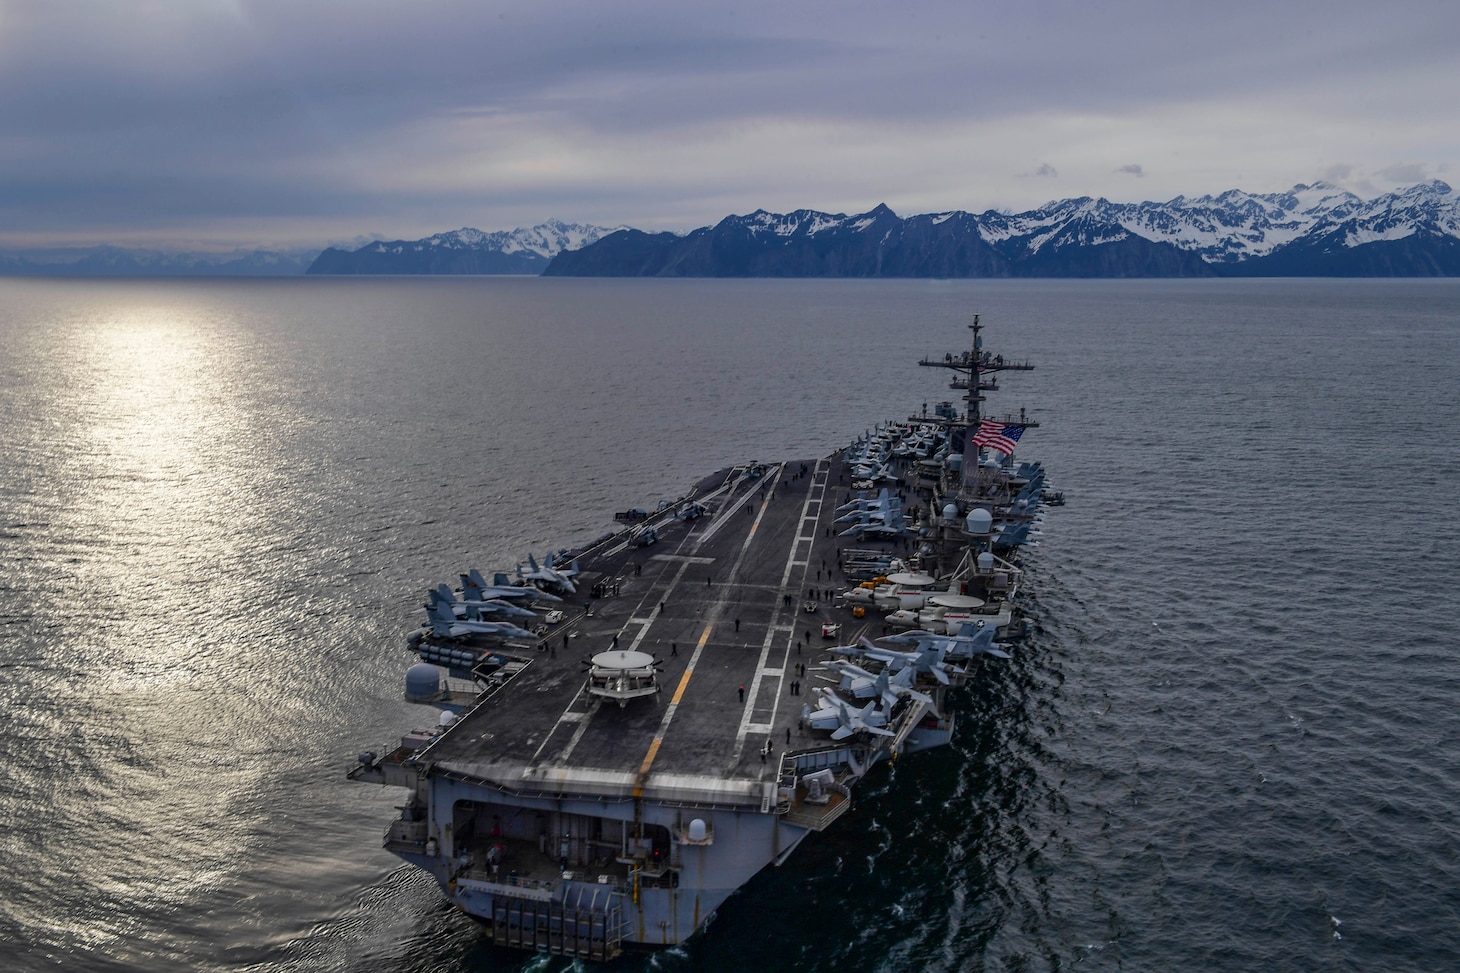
x: 440, y: 616
x: 970, y: 629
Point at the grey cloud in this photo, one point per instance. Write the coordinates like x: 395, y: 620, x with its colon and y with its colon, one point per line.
x: 119, y: 111
x: 1133, y: 169
x: 1406, y: 172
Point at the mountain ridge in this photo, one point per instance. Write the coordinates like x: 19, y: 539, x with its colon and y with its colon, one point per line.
x: 1315, y: 229
x: 1310, y: 230
x: 525, y: 250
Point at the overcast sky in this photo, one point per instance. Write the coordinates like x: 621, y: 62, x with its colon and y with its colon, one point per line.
x: 303, y: 122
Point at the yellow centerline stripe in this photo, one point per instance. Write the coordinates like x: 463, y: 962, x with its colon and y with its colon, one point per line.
x: 689, y: 670
x: 648, y: 759
x: 694, y: 657
x: 658, y: 740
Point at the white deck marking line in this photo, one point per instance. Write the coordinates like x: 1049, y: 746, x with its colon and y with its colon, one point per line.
x: 723, y: 517
x: 753, y: 691
x: 786, y: 576
x: 644, y: 630
x: 569, y: 715
x: 577, y: 734
x: 582, y: 717
x: 715, y: 610
x: 747, y: 726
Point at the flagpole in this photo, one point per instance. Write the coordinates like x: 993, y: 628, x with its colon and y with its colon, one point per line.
x: 972, y: 418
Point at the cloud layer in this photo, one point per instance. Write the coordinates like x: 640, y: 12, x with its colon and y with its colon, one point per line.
x: 276, y: 123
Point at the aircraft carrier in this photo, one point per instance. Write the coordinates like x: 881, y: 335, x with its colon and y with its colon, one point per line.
x: 715, y: 677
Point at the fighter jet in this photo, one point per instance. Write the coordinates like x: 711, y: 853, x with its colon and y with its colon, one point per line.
x: 1009, y: 536
x: 474, y: 587
x: 882, y: 502
x: 889, y: 689
x: 913, y: 637
x: 892, y: 688
x: 550, y: 577
x: 474, y: 610
x: 929, y: 661
x: 868, y: 527
x: 446, y: 625
x: 854, y: 679
x: 972, y: 639
x: 857, y: 648
x: 881, y: 513
x: 832, y: 713
x: 975, y: 638
x: 873, y: 471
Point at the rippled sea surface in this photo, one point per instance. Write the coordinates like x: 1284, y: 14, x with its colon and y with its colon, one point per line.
x: 1230, y: 744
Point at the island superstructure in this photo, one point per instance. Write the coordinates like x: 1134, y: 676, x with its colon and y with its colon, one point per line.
x: 712, y: 681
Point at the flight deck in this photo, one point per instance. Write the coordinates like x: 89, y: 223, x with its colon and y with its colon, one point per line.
x: 728, y: 603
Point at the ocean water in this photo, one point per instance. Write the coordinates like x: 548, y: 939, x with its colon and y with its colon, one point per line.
x: 1230, y: 743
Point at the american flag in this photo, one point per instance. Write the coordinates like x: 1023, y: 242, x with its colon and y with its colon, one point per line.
x: 997, y: 435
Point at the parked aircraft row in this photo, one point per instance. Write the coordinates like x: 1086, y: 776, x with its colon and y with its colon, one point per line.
x: 483, y: 613
x: 886, y: 677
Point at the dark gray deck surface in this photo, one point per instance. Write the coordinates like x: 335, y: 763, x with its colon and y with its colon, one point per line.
x: 679, y: 600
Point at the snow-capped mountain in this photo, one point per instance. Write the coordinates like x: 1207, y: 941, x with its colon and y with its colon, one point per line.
x: 546, y: 239
x: 525, y: 250
x: 1236, y: 226
x: 1309, y: 230
x: 1317, y: 229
